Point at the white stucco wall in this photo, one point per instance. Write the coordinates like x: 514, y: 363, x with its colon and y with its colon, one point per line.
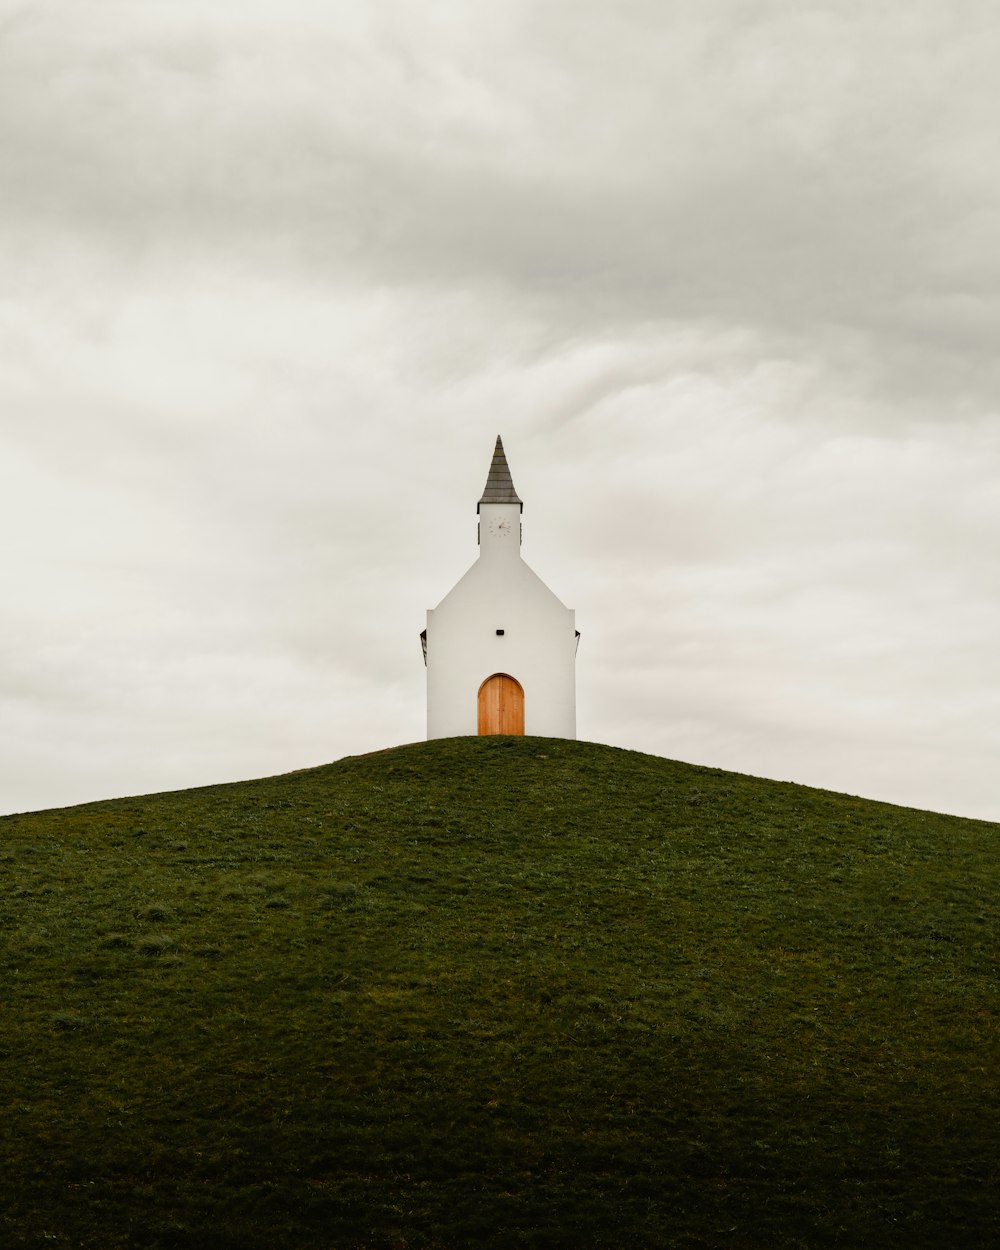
x: 538, y: 646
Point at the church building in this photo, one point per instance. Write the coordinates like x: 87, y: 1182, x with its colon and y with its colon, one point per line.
x: 500, y: 648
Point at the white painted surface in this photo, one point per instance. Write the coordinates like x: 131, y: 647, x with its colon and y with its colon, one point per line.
x: 538, y: 646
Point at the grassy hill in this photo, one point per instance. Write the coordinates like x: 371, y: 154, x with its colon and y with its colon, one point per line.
x: 498, y: 992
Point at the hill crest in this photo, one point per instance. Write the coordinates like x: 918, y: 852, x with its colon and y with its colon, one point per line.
x: 498, y: 992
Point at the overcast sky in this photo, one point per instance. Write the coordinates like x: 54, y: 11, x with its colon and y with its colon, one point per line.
x: 725, y: 275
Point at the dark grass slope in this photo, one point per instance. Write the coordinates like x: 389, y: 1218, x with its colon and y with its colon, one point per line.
x: 498, y: 992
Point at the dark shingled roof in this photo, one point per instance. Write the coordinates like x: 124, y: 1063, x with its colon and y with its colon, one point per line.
x: 499, y: 487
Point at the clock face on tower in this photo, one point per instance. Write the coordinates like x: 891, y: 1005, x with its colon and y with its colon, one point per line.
x: 501, y: 527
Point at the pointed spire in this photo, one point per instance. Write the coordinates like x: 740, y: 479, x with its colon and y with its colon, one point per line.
x: 499, y: 486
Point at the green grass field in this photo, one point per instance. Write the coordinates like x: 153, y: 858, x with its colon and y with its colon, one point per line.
x: 498, y: 992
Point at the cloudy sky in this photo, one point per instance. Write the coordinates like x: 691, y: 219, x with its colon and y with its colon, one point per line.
x: 275, y: 273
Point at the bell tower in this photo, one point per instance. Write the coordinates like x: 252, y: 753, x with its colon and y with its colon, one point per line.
x: 499, y: 510
x: 500, y: 648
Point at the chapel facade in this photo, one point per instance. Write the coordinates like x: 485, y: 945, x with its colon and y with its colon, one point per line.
x: 500, y: 648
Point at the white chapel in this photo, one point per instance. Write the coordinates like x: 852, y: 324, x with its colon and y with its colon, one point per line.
x: 500, y: 648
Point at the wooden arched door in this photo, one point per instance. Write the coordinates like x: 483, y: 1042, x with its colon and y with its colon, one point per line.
x: 501, y: 705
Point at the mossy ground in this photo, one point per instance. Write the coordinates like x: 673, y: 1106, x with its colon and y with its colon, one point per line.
x: 498, y: 993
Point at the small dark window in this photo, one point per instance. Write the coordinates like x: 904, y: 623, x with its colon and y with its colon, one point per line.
x: 499, y: 633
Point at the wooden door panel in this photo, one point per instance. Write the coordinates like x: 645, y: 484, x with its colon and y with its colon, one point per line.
x: 511, y: 706
x: 501, y: 705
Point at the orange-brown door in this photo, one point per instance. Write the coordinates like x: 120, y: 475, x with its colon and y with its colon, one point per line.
x: 501, y: 705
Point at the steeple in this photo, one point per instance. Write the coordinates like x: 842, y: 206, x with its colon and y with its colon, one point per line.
x: 499, y: 486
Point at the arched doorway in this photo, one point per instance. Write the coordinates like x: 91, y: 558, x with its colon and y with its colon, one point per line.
x: 501, y: 705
